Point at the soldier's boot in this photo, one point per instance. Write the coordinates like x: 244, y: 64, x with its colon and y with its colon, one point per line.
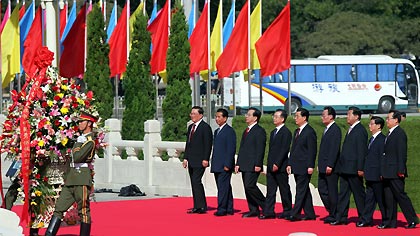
x: 33, y: 232
x: 53, y: 226
x: 84, y: 229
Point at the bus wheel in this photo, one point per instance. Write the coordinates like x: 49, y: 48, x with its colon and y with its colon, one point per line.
x: 295, y: 104
x: 385, y: 104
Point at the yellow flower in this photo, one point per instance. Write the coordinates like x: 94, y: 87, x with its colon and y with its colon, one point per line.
x: 61, y: 95
x: 40, y: 225
x: 80, y: 101
x: 34, y: 203
x: 19, y: 190
x: 64, y: 141
x: 50, y: 103
x: 64, y: 87
x: 64, y: 110
x: 41, y: 143
x: 38, y: 193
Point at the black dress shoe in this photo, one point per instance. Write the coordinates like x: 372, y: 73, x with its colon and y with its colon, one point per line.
x: 329, y: 220
x: 292, y: 218
x: 192, y: 211
x: 197, y: 211
x: 308, y: 218
x: 338, y: 223
x: 282, y: 216
x: 412, y: 225
x: 266, y: 217
x: 219, y: 213
x: 363, y: 224
x: 384, y: 226
x: 250, y: 214
x: 230, y: 213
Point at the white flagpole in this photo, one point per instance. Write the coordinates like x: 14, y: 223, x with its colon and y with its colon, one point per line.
x: 208, y: 93
x: 249, y: 53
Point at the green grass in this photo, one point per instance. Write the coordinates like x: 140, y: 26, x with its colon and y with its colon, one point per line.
x: 411, y: 127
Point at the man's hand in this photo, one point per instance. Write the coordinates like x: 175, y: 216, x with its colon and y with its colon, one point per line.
x: 289, y: 170
x: 236, y: 169
x: 360, y: 173
x: 310, y: 171
x: 275, y: 168
x: 328, y: 170
x: 185, y: 163
x: 226, y: 169
x: 257, y: 169
x: 205, y: 163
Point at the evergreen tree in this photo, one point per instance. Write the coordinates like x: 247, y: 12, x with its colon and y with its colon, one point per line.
x: 139, y: 91
x: 177, y: 103
x: 97, y: 63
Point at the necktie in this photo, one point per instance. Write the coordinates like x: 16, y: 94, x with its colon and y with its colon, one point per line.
x: 349, y: 130
x: 246, y: 132
x: 216, y: 132
x: 387, y: 136
x: 325, y: 130
x: 297, y: 133
x: 192, y: 132
x: 370, y: 141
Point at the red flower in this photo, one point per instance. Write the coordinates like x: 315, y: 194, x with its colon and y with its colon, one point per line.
x: 45, y: 179
x: 39, y: 134
x: 87, y: 103
x: 37, y: 176
x: 56, y: 122
x: 89, y: 95
x: 44, y: 58
x: 57, y: 98
x: 75, y: 104
x: 75, y: 128
x: 44, y: 104
x: 78, y: 87
x: 55, y: 88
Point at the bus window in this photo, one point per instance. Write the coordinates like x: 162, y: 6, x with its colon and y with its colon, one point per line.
x: 305, y: 73
x: 366, y: 73
x: 401, y: 78
x: 386, y: 72
x: 346, y: 73
x: 325, y: 73
x: 282, y: 77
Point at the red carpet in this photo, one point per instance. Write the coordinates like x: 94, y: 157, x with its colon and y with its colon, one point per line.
x: 168, y: 216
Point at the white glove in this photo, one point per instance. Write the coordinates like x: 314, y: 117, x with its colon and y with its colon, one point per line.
x: 81, y: 139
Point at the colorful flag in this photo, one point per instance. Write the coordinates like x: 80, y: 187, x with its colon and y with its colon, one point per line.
x: 159, y: 30
x: 133, y: 17
x: 22, y: 11
x: 118, y: 45
x: 32, y: 43
x: 10, y: 48
x: 235, y: 55
x: 70, y: 21
x: 63, y: 18
x: 229, y: 23
x: 191, y: 19
x: 216, y: 38
x: 5, y: 17
x: 273, y: 48
x: 154, y: 12
x: 255, y: 34
x: 24, y: 25
x: 72, y: 62
x: 199, y: 43
x: 112, y: 21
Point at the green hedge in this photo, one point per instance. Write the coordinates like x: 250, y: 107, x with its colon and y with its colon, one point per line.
x: 410, y: 126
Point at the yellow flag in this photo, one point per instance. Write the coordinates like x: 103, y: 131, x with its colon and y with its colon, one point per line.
x: 216, y: 41
x: 133, y: 18
x: 10, y: 48
x: 255, y: 31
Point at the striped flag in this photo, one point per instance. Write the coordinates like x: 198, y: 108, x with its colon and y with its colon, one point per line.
x: 10, y: 48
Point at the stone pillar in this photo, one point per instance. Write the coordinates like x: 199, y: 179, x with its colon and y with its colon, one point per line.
x: 113, y: 135
x: 152, y: 134
x: 51, y: 29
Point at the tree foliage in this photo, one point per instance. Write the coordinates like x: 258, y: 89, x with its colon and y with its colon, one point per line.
x: 97, y: 63
x: 177, y: 103
x: 139, y: 95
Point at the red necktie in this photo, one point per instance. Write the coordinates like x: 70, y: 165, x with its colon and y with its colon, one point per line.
x: 297, y: 133
x: 246, y: 132
x: 192, y: 132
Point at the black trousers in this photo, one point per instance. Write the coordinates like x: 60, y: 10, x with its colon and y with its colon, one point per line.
x: 350, y: 184
x: 278, y: 180
x: 224, y: 192
x: 303, y: 198
x: 328, y: 191
x: 254, y: 196
x: 394, y: 193
x: 374, y: 195
x: 199, y: 197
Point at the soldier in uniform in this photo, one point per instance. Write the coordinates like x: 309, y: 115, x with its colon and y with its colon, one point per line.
x: 78, y: 179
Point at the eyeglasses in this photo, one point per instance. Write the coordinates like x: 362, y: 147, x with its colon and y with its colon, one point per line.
x: 248, y: 115
x: 194, y: 113
x: 276, y: 116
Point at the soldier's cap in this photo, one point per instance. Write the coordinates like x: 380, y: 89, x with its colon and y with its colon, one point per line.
x: 86, y: 116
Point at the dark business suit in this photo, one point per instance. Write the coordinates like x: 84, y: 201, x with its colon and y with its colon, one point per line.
x: 372, y: 172
x: 278, y: 154
x: 329, y: 152
x: 394, y: 162
x: 224, y: 148
x: 198, y: 148
x: 302, y: 157
x: 251, y: 154
x: 352, y: 159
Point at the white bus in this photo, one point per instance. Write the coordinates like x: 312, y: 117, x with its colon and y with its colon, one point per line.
x: 373, y: 83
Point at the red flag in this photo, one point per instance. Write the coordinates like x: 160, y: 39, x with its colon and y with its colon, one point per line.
x: 199, y: 43
x: 118, y: 45
x: 63, y: 19
x: 273, y: 48
x: 32, y: 43
x: 72, y: 62
x: 160, y: 40
x: 235, y: 55
x: 22, y: 11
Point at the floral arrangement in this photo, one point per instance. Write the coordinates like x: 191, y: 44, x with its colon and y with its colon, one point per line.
x: 53, y: 131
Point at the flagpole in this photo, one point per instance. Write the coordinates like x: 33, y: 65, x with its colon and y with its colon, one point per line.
x: 157, y: 95
x: 233, y: 76
x: 261, y: 79
x: 249, y: 55
x: 208, y: 94
x: 289, y: 85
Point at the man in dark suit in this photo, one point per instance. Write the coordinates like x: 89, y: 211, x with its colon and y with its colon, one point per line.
x: 350, y: 167
x: 394, y: 172
x: 277, y: 177
x: 78, y: 179
x: 329, y: 152
x: 250, y: 161
x: 197, y: 155
x: 222, y: 162
x: 301, y: 164
x: 374, y: 187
